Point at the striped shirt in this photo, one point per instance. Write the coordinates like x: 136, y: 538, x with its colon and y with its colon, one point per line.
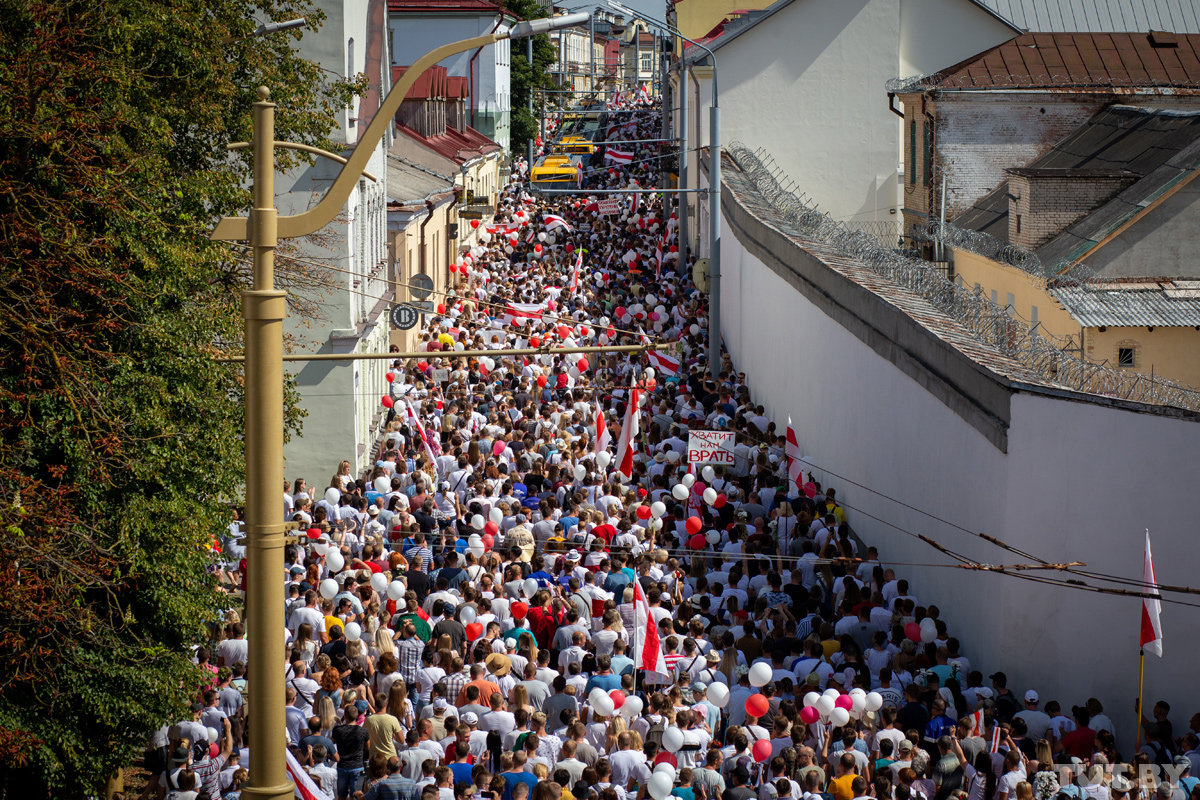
x: 455, y: 681
x: 408, y: 654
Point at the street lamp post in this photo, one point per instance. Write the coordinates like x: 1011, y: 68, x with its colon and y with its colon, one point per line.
x: 263, y: 309
x: 714, y: 183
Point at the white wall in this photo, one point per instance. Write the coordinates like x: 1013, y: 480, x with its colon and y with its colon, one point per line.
x: 1079, y: 482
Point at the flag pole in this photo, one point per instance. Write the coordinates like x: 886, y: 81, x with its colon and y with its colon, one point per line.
x: 1137, y: 739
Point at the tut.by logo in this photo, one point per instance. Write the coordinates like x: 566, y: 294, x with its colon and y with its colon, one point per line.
x: 1147, y: 774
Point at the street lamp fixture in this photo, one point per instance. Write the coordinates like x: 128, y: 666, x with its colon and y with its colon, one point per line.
x: 263, y: 308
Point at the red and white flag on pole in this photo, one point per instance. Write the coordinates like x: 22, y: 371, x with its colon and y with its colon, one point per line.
x: 665, y: 365
x: 650, y: 655
x: 627, y: 444
x: 306, y: 787
x: 618, y: 156
x: 552, y: 221
x: 516, y: 311
x: 575, y: 272
x: 792, y: 451
x: 1151, y: 635
x: 603, y: 434
x: 415, y: 422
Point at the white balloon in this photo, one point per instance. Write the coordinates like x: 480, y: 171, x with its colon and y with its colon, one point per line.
x: 710, y: 495
x: 713, y: 537
x: 694, y: 329
x: 708, y: 473
x: 688, y: 480
x: 467, y: 615
x: 477, y: 549
x: 673, y: 738
x: 335, y: 562
x: 529, y: 587
x: 656, y: 524
x: 873, y: 701
x: 212, y: 734
x: 811, y: 699
x: 824, y: 705
x: 632, y: 706
x: 477, y: 522
x: 839, y: 717
x: 395, y: 590
x: 379, y: 582
x: 603, y: 459
x: 332, y: 495
x: 665, y: 768
x: 649, y: 373
x: 603, y: 705
x: 660, y: 786
x: 928, y: 634
x: 353, y: 631
x: 760, y: 674
x: 859, y: 703
x: 459, y: 346
x: 496, y: 516
x: 831, y: 693
x: 541, y: 237
x: 328, y: 588
x: 680, y: 492
x: 382, y: 484
x: 718, y: 694
x: 580, y: 472
x: 658, y: 508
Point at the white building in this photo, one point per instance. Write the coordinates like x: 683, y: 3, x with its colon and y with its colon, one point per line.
x: 417, y: 26
x: 348, y: 259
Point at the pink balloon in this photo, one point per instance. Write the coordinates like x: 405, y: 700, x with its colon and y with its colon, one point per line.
x: 498, y: 447
x: 810, y: 715
x: 844, y: 701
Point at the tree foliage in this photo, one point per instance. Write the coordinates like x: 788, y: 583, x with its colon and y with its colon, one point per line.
x: 524, y: 79
x: 120, y: 438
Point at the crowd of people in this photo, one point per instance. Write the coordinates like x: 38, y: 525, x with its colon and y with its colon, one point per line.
x: 534, y: 594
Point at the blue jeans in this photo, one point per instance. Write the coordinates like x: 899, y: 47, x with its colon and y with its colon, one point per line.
x: 348, y: 780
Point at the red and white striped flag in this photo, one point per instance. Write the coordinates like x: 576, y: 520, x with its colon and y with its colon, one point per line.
x: 306, y: 787
x: 650, y: 655
x: 575, y: 272
x: 667, y: 367
x: 618, y: 156
x: 1150, y: 639
x: 627, y: 444
x: 552, y: 221
x: 603, y: 434
x: 644, y: 94
x: 516, y: 311
x: 792, y: 451
x: 415, y: 422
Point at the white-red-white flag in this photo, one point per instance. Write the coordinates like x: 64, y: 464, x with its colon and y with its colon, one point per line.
x: 627, y: 444
x: 415, y: 422
x: 516, y: 311
x: 1151, y: 634
x: 552, y: 221
x: 650, y: 654
x: 575, y: 272
x: 667, y: 367
x: 618, y: 156
x: 792, y: 451
x: 306, y: 787
x: 603, y: 434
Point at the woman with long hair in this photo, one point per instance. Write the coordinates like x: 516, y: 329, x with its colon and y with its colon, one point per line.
x: 341, y: 480
x: 616, y: 726
x: 356, y: 652
x: 520, y: 699
x: 327, y: 712
x: 331, y: 685
x: 384, y: 643
x: 305, y: 644
x: 982, y: 785
x: 1042, y: 774
x: 398, y: 704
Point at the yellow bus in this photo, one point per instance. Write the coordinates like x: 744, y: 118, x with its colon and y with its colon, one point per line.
x: 557, y: 172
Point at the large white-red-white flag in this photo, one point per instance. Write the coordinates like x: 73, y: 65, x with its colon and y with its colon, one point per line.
x: 627, y: 444
x: 552, y: 221
x: 792, y: 451
x: 1150, y: 639
x: 667, y: 367
x: 306, y: 788
x: 618, y: 156
x: 575, y: 272
x: 603, y: 434
x: 649, y: 656
x: 415, y: 422
x: 516, y: 311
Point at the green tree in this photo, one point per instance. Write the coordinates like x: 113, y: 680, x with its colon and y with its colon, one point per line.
x: 524, y: 79
x: 120, y: 438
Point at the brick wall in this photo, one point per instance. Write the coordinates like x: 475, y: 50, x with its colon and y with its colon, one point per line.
x: 1042, y: 206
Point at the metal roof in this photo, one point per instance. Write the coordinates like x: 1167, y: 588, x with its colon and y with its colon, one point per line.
x: 409, y: 184
x: 1132, y: 305
x: 1098, y: 16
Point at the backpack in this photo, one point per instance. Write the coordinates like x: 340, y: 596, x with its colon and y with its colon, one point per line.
x: 655, y: 733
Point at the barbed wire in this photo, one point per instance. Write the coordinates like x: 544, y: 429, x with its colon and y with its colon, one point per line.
x: 937, y: 80
x: 1043, y: 354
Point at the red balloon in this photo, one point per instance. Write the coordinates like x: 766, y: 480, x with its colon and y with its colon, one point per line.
x: 620, y: 311
x: 488, y: 540
x: 809, y: 715
x: 721, y: 500
x: 651, y: 384
x: 314, y: 533
x: 541, y: 381
x: 696, y: 542
x: 618, y: 698
x: 453, y: 268
x: 762, y: 750
x: 643, y: 512
x: 694, y: 524
x: 537, y: 248
x: 474, y: 224
x: 581, y: 365
x: 698, y: 488
x: 570, y: 248
x: 388, y: 402
x: 519, y: 609
x: 391, y: 606
x: 441, y: 308
x: 391, y: 376
x: 563, y: 331
x: 757, y: 705
x: 474, y: 630
x: 913, y: 631
x: 422, y: 365
x: 810, y: 489
x: 844, y: 701
x: 674, y: 249
x: 491, y: 527
x: 535, y: 341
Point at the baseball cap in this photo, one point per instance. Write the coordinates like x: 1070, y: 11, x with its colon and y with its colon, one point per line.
x: 741, y: 772
x: 179, y: 755
x: 361, y: 706
x: 297, y: 570
x: 440, y: 704
x: 904, y: 746
x: 1031, y: 696
x: 1182, y: 761
x: 470, y: 718
x: 699, y: 687
x: 999, y: 677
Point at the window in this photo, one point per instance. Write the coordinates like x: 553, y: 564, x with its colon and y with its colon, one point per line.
x: 1033, y: 315
x: 1011, y: 305
x: 912, y: 149
x: 1125, y: 357
x: 995, y: 299
x: 1018, y: 224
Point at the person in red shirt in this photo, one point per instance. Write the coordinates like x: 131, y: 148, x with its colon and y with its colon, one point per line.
x: 1081, y: 742
x: 545, y: 617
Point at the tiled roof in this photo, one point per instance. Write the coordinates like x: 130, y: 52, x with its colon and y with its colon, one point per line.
x: 433, y: 82
x: 1098, y: 16
x: 1132, y: 305
x: 444, y: 7
x: 456, y: 146
x: 1064, y: 60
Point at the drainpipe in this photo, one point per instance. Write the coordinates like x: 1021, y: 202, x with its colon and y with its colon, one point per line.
x: 471, y: 70
x: 428, y: 217
x: 449, y: 209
